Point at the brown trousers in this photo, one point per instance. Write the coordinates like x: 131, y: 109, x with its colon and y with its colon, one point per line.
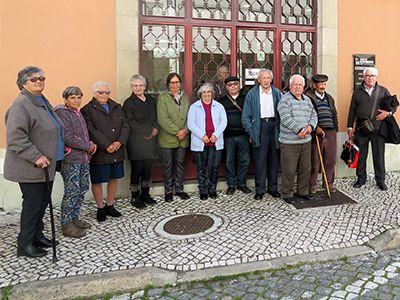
x: 295, y: 157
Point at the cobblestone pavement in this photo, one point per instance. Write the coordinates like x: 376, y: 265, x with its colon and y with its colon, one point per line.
x: 250, y: 231
x: 373, y: 276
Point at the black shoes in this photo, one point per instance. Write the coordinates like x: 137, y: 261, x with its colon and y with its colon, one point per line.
x: 358, y: 184
x: 31, y: 251
x: 244, y: 189
x: 44, y: 242
x: 258, y: 196
x: 307, y: 197
x: 136, y: 200
x: 146, y: 198
x: 168, y: 197
x: 290, y: 200
x: 183, y: 195
x: 274, y: 194
x: 203, y: 196
x: 230, y: 191
x: 112, y: 212
x: 382, y: 186
x: 101, y: 214
x: 213, y: 195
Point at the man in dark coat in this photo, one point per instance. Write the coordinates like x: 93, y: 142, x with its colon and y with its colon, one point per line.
x: 325, y: 131
x: 361, y: 106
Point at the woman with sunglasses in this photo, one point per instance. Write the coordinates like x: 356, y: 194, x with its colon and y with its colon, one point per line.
x: 173, y: 139
x: 34, y: 142
x: 109, y: 131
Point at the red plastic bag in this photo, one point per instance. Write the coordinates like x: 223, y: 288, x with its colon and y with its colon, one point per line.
x: 350, y: 154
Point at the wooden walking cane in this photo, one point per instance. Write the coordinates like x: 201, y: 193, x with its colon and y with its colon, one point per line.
x: 53, y: 227
x: 322, y: 167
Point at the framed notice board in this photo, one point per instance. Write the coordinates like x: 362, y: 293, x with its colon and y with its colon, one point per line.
x: 360, y: 62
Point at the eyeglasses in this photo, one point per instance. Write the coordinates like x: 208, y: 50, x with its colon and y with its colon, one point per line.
x: 233, y: 83
x: 34, y: 79
x: 103, y: 92
x: 370, y: 75
x: 174, y: 82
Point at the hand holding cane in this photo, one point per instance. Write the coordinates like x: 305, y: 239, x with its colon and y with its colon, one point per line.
x: 322, y: 167
x: 53, y: 228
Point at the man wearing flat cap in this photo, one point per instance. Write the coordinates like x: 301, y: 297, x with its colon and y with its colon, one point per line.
x: 325, y: 132
x: 260, y: 119
x: 235, y: 138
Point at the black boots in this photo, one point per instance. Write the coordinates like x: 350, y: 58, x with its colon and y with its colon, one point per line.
x: 136, y: 200
x: 145, y: 196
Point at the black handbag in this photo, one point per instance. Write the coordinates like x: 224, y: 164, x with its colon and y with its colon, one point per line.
x: 364, y: 125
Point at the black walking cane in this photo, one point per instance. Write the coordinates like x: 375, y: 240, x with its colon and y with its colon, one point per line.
x: 53, y: 227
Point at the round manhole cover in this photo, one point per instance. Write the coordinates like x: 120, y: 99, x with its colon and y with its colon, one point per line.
x: 189, y: 224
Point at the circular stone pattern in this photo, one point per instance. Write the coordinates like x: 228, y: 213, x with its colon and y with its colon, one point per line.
x: 188, y: 225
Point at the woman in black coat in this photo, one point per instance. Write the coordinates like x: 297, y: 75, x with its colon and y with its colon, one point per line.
x: 140, y: 112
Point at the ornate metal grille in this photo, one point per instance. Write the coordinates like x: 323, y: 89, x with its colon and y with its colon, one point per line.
x: 168, y: 8
x: 162, y: 53
x: 212, y: 9
x: 300, y: 12
x: 211, y: 49
x: 255, y: 50
x: 297, y: 54
x: 256, y: 11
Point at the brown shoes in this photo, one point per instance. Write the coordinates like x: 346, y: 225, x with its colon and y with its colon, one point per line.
x: 71, y: 230
x: 82, y: 224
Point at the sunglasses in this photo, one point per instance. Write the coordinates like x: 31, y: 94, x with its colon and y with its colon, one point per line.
x: 34, y: 79
x: 103, y: 92
x: 232, y: 84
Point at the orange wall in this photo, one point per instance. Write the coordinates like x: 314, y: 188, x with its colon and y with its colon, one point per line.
x: 370, y: 27
x: 73, y: 41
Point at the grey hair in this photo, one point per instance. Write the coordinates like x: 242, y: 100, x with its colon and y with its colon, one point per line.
x: 206, y: 87
x: 265, y: 71
x: 138, y: 77
x: 372, y: 70
x: 297, y: 76
x: 25, y: 73
x: 99, y: 83
x: 71, y: 90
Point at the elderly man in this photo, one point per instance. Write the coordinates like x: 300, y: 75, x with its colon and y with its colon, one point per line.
x: 298, y: 120
x: 326, y: 130
x: 261, y: 121
x: 235, y: 137
x: 364, y: 103
x: 219, y: 85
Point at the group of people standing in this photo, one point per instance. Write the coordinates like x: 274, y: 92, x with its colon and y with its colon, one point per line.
x: 92, y: 141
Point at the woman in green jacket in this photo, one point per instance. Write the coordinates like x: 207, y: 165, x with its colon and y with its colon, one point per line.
x: 173, y: 139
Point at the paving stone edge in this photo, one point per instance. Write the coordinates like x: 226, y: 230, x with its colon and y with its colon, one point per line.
x: 136, y: 279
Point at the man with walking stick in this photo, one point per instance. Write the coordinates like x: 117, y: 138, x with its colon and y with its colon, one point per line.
x: 325, y: 132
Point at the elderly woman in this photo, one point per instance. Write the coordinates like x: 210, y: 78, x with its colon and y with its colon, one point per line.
x: 207, y: 121
x: 140, y: 113
x: 34, y: 142
x: 172, y: 109
x: 75, y: 167
x: 109, y: 131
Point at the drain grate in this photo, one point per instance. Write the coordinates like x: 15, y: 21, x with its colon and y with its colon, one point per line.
x: 188, y: 224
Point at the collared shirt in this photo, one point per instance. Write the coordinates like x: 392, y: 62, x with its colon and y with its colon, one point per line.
x: 266, y: 103
x: 319, y: 95
x: 369, y: 91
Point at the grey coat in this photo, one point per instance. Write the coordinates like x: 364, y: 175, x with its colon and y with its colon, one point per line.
x: 30, y: 134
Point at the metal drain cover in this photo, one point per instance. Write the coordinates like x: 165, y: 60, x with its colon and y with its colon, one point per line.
x: 188, y: 225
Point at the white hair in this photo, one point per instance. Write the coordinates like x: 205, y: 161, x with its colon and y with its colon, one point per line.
x: 139, y: 77
x: 265, y: 71
x: 372, y: 71
x: 99, y: 83
x: 206, y: 87
x: 292, y: 78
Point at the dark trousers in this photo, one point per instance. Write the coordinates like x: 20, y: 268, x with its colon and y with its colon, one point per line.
x: 378, y: 156
x: 173, y: 157
x: 295, y: 157
x: 207, y: 162
x: 328, y: 147
x: 237, y: 149
x: 140, y: 174
x: 35, y: 200
x: 267, y: 158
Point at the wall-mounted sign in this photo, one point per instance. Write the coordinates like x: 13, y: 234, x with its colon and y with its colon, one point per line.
x: 360, y: 62
x: 250, y: 75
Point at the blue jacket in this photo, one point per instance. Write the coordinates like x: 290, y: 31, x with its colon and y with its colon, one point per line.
x: 197, y: 124
x: 251, y: 118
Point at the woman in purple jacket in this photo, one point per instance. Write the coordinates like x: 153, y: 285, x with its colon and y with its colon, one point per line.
x: 75, y: 167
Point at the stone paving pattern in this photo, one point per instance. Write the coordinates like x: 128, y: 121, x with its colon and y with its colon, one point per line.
x: 372, y: 276
x: 251, y: 231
